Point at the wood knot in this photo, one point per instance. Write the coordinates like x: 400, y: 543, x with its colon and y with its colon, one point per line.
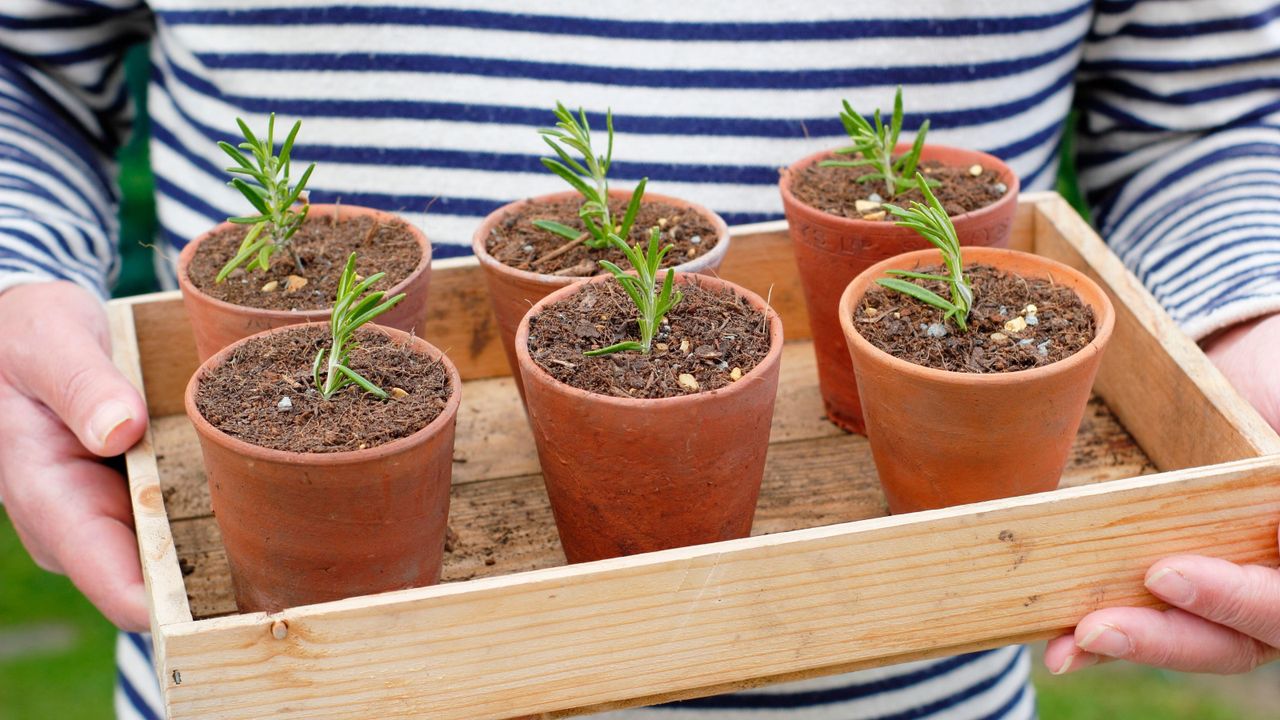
x: 150, y: 499
x: 280, y: 629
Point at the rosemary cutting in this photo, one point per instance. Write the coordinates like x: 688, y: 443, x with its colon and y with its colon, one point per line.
x: 270, y: 194
x: 875, y: 144
x: 933, y: 224
x: 349, y: 313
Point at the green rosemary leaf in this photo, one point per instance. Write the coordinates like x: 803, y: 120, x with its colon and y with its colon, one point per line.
x: 367, y: 386
x: 625, y: 346
x: 556, y: 228
x: 924, y: 295
x: 917, y: 275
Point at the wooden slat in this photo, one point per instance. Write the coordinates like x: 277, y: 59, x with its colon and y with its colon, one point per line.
x: 780, y: 606
x: 158, y: 556
x: 1181, y: 409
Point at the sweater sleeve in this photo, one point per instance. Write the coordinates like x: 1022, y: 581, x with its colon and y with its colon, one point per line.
x: 64, y: 109
x: 1180, y: 151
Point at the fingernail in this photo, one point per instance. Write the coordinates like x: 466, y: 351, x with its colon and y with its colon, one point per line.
x: 107, y: 420
x: 1076, y: 661
x: 1106, y: 640
x: 1172, y: 586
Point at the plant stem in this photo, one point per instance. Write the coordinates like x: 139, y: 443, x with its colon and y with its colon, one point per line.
x: 332, y: 376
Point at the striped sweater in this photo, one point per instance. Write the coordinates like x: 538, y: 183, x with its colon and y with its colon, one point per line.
x: 409, y: 101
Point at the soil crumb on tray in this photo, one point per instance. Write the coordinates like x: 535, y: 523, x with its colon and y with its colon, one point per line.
x: 709, y: 340
x: 1015, y: 324
x: 323, y: 246
x: 836, y: 190
x: 264, y: 394
x: 515, y: 241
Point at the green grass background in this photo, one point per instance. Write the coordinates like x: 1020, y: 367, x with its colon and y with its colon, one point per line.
x: 73, y: 680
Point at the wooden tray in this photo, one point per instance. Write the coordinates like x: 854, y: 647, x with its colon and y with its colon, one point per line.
x: 827, y: 585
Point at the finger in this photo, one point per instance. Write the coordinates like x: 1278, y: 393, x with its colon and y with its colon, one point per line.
x: 71, y: 373
x: 1173, y: 639
x: 100, y: 557
x: 1242, y: 597
x: 98, y: 550
x: 1062, y: 655
x: 70, y: 511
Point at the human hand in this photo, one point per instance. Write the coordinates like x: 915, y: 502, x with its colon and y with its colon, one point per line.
x: 1225, y: 618
x: 63, y: 406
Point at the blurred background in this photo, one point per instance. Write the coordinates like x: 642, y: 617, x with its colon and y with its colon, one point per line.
x: 56, y: 650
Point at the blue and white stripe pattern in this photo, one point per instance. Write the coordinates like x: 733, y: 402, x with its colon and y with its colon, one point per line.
x: 409, y: 101
x: 137, y: 694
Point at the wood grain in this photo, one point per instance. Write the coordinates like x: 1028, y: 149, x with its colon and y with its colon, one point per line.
x: 159, y: 558
x: 718, y: 615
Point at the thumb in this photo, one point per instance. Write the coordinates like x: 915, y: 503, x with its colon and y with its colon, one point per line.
x: 64, y: 362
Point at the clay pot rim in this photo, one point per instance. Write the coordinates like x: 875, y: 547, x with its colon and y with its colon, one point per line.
x: 247, y: 449
x: 776, y: 341
x: 1105, y: 317
x: 481, y: 235
x: 298, y: 316
x: 1007, y: 176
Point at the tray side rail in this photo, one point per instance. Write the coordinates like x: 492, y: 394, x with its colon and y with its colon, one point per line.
x: 1182, y: 411
x: 712, y: 618
x: 160, y: 570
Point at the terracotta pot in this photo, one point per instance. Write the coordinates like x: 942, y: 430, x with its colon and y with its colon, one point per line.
x: 831, y: 250
x: 630, y: 476
x: 302, y: 528
x: 216, y: 324
x: 512, y: 292
x: 944, y: 438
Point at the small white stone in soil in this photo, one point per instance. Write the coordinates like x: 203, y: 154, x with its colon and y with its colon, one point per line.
x: 735, y: 374
x: 271, y: 286
x: 684, y: 345
x: 399, y: 393
x: 866, y: 206
x: 1016, y: 325
x: 1030, y: 309
x: 662, y: 346
x: 936, y: 330
x: 688, y: 381
x: 1043, y: 348
x: 975, y: 170
x: 875, y: 198
x: 871, y: 312
x: 1033, y: 320
x: 874, y: 216
x: 285, y: 403
x: 1000, y: 188
x: 662, y: 222
x: 999, y: 338
x: 1024, y: 342
x: 294, y: 283
x: 695, y: 240
x: 527, y: 248
x: 1004, y: 310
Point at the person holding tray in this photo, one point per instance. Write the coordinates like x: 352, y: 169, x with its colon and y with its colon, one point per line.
x: 418, y: 100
